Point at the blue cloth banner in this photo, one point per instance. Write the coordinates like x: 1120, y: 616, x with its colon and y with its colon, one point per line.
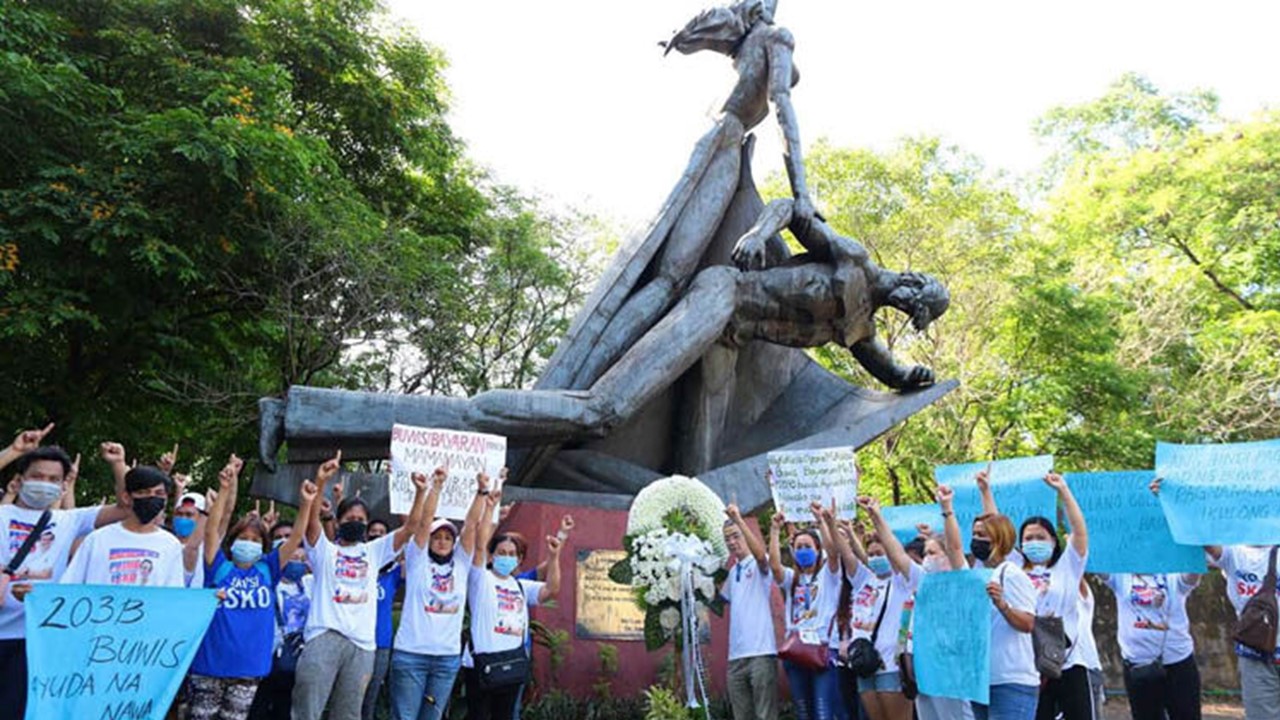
x: 1128, y: 532
x: 902, y: 519
x: 1221, y: 494
x: 952, y: 636
x: 110, y: 652
x: 1016, y: 483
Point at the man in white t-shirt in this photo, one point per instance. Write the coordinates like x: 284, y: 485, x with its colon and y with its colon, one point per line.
x: 1245, y: 568
x: 43, y: 475
x: 753, y: 649
x: 136, y: 550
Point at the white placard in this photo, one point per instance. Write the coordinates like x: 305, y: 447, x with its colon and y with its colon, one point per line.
x: 416, y: 449
x: 800, y: 477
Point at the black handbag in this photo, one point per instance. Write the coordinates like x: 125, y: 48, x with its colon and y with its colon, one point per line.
x: 1049, y: 640
x: 1256, y: 628
x: 496, y: 671
x: 864, y: 660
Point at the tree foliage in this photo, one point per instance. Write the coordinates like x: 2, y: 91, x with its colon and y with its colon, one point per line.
x: 206, y: 201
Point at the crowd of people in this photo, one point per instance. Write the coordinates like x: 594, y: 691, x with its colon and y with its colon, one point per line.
x: 852, y: 594
x: 304, y: 622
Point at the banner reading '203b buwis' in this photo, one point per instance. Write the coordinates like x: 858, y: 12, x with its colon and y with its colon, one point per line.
x: 109, y: 652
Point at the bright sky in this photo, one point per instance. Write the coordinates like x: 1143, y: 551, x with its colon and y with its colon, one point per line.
x: 572, y: 99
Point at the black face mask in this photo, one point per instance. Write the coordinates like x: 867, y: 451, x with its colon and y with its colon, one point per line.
x: 440, y: 559
x: 147, y: 508
x: 980, y: 548
x: 352, y: 531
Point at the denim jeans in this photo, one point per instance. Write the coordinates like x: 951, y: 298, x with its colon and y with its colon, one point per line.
x: 421, y: 684
x: 1009, y: 702
x: 812, y: 691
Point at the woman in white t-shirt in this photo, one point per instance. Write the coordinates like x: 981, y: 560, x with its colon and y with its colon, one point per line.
x: 499, y: 605
x: 428, y: 646
x: 337, y: 660
x: 1015, y: 684
x: 809, y: 592
x: 1057, y: 572
x: 872, y: 604
x: 1152, y: 627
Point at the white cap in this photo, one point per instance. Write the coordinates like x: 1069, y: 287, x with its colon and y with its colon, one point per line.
x: 443, y: 523
x: 194, y: 498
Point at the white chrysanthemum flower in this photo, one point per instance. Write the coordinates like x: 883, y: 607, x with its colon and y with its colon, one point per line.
x: 669, y: 618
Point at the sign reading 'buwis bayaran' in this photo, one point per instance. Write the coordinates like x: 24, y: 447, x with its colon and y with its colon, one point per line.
x: 109, y: 652
x: 463, y: 454
x: 800, y: 477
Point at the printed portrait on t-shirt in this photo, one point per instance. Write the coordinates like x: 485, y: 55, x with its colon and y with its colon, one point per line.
x: 1148, y: 597
x: 351, y: 572
x: 130, y: 566
x: 296, y: 607
x: 443, y: 598
x: 510, y: 618
x: 1041, y: 579
x: 804, y: 602
x: 43, y: 556
x: 866, y: 603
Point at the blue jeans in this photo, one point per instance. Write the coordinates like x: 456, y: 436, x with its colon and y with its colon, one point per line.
x: 421, y: 684
x: 1009, y: 702
x: 812, y: 691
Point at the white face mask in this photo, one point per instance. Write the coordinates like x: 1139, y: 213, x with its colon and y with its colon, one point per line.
x: 39, y: 494
x: 935, y: 563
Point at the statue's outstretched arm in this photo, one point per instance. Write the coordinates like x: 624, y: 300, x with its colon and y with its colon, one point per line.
x: 879, y: 361
x: 780, y: 47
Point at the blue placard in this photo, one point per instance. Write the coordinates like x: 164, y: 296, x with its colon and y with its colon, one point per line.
x: 1128, y: 532
x: 110, y: 651
x: 902, y: 519
x: 952, y: 636
x: 1221, y: 494
x: 1016, y: 483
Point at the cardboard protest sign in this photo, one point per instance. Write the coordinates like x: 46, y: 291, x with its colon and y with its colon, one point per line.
x: 952, y: 636
x: 902, y: 519
x: 1128, y: 532
x: 1227, y: 494
x: 110, y: 651
x: 1016, y: 483
x: 800, y: 477
x: 465, y: 454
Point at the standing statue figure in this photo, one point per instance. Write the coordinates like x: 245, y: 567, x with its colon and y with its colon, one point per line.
x: 614, y: 317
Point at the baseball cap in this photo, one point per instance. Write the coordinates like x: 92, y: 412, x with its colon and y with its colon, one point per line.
x: 443, y: 523
x: 193, y: 498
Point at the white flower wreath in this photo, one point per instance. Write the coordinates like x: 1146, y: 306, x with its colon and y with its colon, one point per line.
x: 652, y: 505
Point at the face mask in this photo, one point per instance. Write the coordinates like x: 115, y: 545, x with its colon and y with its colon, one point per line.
x: 806, y: 556
x: 1037, y: 551
x: 935, y: 563
x: 147, y: 508
x: 505, y: 564
x: 275, y: 544
x: 879, y: 564
x: 183, y: 526
x: 980, y: 548
x: 39, y: 494
x: 440, y: 559
x: 246, y: 552
x: 294, y: 570
x: 352, y: 531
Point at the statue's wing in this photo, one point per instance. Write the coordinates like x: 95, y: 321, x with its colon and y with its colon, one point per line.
x: 624, y: 271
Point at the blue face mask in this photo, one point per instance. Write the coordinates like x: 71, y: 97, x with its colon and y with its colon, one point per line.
x: 246, y: 552
x: 505, y: 564
x: 805, y: 556
x: 1037, y: 551
x: 183, y: 526
x: 879, y: 564
x: 294, y: 570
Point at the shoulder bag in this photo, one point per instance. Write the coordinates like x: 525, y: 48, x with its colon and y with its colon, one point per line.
x: 1256, y: 628
x: 1049, y: 641
x: 506, y: 669
x: 864, y: 660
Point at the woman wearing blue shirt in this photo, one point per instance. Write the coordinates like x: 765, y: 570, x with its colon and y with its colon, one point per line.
x: 237, y: 648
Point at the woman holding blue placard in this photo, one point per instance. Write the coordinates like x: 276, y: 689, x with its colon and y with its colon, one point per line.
x: 237, y: 648
x: 1015, y: 684
x: 809, y: 593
